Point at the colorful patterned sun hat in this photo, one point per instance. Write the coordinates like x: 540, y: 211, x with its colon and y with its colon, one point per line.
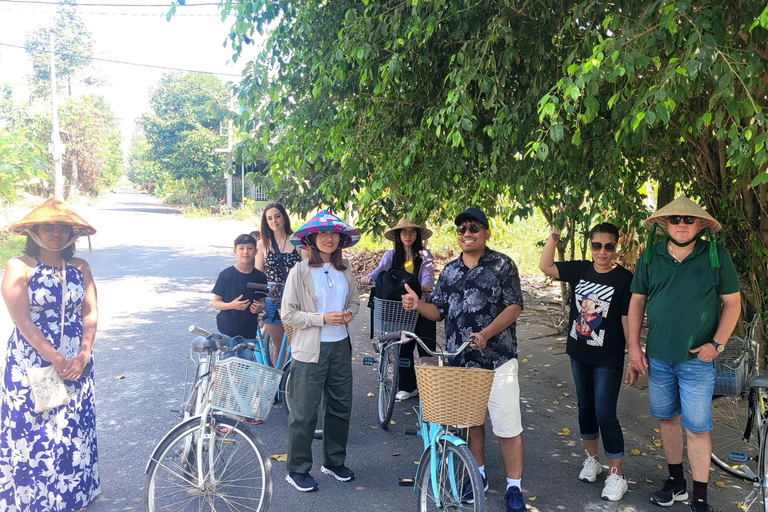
x: 325, y: 221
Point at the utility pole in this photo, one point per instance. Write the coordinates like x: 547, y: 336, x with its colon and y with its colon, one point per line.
x: 57, y: 149
x: 230, y: 140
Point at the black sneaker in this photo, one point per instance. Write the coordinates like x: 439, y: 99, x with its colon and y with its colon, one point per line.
x: 341, y: 473
x: 302, y: 481
x: 701, y: 506
x: 468, y: 494
x: 671, y: 492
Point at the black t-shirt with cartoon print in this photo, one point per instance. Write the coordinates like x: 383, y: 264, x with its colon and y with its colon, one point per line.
x: 598, y: 301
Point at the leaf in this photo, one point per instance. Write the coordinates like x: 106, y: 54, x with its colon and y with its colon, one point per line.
x: 543, y: 151
x: 391, y: 422
x: 565, y: 432
x: 531, y: 498
x: 556, y: 132
x: 396, y: 454
x: 559, y: 385
x: 634, y: 451
x: 370, y: 394
x: 466, y: 123
x: 721, y: 484
x: 649, y: 480
x: 639, y: 117
x: 283, y: 457
x: 525, y: 359
x: 118, y: 377
x: 657, y: 442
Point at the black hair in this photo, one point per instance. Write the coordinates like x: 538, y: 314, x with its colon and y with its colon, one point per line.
x: 605, y: 227
x: 245, y: 239
x: 267, y: 235
x: 398, y: 262
x: 32, y: 249
x: 256, y: 234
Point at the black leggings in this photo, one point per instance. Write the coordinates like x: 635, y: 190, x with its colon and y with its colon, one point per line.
x: 427, y: 331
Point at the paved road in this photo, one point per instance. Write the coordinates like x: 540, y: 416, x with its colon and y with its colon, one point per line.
x: 154, y: 270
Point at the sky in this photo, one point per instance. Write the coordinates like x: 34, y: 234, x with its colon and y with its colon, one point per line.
x: 128, y: 31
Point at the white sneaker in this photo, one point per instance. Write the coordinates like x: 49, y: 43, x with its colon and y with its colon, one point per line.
x: 591, y: 469
x: 404, y: 395
x: 615, y: 486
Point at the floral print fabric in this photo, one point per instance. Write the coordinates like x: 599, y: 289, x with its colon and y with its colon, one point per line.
x: 469, y: 299
x: 48, y: 461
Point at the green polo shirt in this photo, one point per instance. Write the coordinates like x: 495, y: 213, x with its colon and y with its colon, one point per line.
x: 683, y: 299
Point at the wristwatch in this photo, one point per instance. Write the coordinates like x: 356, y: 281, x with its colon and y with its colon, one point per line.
x: 717, y: 346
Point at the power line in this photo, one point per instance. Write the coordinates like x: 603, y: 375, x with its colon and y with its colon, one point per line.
x: 126, y: 63
x: 43, y: 2
x: 115, y: 13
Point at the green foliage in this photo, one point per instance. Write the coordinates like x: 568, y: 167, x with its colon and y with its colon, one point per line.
x: 10, y: 247
x: 180, y: 134
x: 21, y: 159
x: 73, y: 46
x: 92, y: 139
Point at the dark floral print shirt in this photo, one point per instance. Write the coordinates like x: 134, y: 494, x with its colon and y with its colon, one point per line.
x: 469, y: 299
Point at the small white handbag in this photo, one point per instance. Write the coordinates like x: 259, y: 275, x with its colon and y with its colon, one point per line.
x: 48, y: 390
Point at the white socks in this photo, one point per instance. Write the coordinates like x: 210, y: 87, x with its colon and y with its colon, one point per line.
x: 514, y: 482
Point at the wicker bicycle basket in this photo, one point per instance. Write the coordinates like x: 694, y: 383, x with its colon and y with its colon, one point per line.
x: 389, y: 316
x: 244, y: 388
x: 288, y: 330
x: 454, y: 396
x: 732, y: 368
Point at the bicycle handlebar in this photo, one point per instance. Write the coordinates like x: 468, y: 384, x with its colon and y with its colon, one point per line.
x: 397, y: 336
x: 199, y: 331
x: 220, y: 340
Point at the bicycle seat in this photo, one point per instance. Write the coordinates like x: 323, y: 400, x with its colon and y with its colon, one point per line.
x: 761, y: 381
x: 202, y: 343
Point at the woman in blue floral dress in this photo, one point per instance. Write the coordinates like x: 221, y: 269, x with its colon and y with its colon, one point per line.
x: 49, y: 460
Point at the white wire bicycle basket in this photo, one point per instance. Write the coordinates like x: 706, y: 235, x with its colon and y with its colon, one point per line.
x: 732, y: 368
x: 389, y: 316
x: 244, y: 388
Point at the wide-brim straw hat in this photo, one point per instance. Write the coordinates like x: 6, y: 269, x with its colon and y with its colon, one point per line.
x: 406, y: 223
x: 684, y: 207
x: 325, y: 221
x: 52, y: 211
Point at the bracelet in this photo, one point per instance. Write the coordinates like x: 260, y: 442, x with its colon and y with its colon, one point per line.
x: 555, y: 237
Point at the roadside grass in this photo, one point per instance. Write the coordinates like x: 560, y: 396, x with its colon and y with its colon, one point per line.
x: 10, y: 246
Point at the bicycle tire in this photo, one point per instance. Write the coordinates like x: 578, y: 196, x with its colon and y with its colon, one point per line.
x: 283, y: 387
x: 733, y: 419
x: 764, y: 467
x: 267, y: 347
x: 388, y: 378
x: 240, y: 466
x: 458, y: 461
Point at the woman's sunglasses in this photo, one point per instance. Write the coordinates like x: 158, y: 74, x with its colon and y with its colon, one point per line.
x: 473, y: 228
x: 597, y: 246
x: 675, y: 219
x: 63, y: 229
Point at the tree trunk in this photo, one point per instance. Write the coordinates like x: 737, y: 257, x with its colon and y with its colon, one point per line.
x: 73, y: 181
x: 665, y: 193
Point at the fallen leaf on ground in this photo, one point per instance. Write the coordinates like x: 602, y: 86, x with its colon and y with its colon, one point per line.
x: 657, y: 442
x: 119, y: 377
x: 659, y: 466
x: 549, y: 348
x: 391, y: 422
x: 283, y: 457
x: 555, y: 402
x: 531, y: 498
x: 559, y: 385
x: 720, y: 483
x: 525, y: 341
x: 396, y: 454
x: 649, y: 480
x: 634, y: 451
x: 565, y: 432
x: 407, y: 413
x: 370, y: 394
x: 656, y: 430
x: 525, y: 359
x: 741, y: 506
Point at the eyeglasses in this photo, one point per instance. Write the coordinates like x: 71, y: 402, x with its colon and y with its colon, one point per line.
x: 473, y: 228
x: 408, y: 232
x: 675, y: 219
x: 62, y: 229
x: 597, y: 246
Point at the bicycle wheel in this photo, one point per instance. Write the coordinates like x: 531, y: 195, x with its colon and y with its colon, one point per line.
x: 283, y: 388
x: 388, y: 377
x: 735, y: 438
x: 235, y: 468
x: 456, y: 469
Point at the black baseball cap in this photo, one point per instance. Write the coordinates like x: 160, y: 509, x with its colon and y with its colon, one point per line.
x: 472, y: 213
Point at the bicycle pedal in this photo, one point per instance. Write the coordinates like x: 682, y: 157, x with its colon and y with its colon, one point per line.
x: 738, y: 457
x: 411, y: 432
x: 405, y: 482
x: 369, y: 361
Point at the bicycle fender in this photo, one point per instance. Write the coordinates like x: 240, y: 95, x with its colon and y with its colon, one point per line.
x: 451, y: 439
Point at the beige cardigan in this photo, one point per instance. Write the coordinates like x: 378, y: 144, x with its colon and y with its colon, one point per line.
x: 299, y: 310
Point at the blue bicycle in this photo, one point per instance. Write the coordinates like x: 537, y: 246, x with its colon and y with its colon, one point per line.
x: 447, y: 477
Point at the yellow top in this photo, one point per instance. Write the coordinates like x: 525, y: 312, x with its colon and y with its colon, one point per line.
x: 409, y: 266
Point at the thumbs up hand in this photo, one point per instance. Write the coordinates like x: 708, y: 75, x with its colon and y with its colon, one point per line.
x: 410, y: 300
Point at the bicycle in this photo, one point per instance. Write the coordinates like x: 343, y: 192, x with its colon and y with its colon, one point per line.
x: 740, y: 414
x: 447, y: 470
x: 388, y: 316
x: 210, y: 460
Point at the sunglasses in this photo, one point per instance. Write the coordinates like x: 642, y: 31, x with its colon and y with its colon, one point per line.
x: 62, y: 229
x: 473, y: 228
x: 688, y: 219
x: 597, y: 246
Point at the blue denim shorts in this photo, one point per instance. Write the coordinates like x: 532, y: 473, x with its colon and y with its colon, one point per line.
x: 682, y: 389
x: 270, y: 313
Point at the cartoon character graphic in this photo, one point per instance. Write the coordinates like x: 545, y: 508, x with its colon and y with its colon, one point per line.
x: 589, y: 319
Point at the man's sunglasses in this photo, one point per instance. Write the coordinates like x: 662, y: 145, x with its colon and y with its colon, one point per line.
x: 688, y: 219
x: 597, y: 246
x: 473, y: 228
x: 62, y: 229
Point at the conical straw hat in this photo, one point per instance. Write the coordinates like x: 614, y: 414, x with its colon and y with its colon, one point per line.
x: 406, y: 223
x: 682, y: 206
x: 52, y: 211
